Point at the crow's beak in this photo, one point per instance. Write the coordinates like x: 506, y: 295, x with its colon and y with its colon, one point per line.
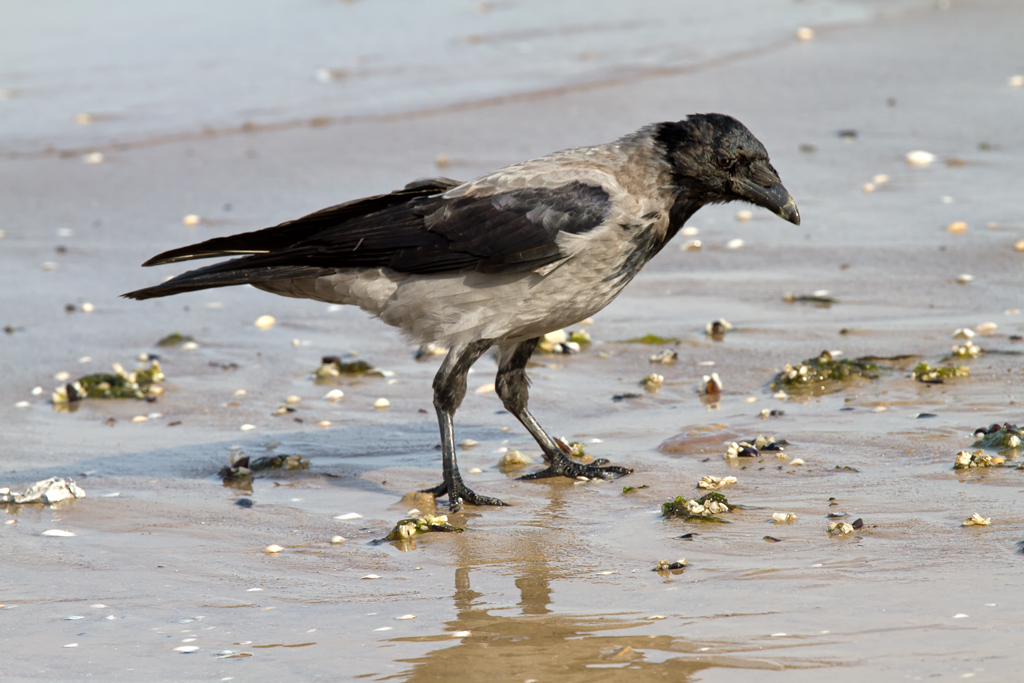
x: 775, y: 198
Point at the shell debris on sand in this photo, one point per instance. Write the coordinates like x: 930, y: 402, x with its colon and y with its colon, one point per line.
x: 712, y: 384
x: 265, y: 322
x: 191, y: 220
x: 839, y: 528
x: 334, y: 395
x: 337, y: 540
x: 666, y: 357
x: 349, y: 516
x: 513, y: 460
x: 653, y: 381
x: 59, y: 533
x: 273, y: 549
x: 381, y: 403
x: 977, y: 520
x: 714, y: 483
x: 957, y: 228
x: 47, y: 491
x: 668, y: 565
x: 783, y: 517
x: 967, y: 459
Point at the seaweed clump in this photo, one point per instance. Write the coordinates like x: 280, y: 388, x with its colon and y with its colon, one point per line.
x: 139, y: 384
x: 407, y: 528
x: 242, y: 466
x: 816, y: 374
x: 333, y: 367
x: 702, y: 509
x: 1001, y: 437
x: 937, y: 375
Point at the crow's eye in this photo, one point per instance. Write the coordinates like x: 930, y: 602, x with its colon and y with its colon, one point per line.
x: 724, y: 161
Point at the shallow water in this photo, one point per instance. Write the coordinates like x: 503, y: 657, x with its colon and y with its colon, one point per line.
x: 559, y: 583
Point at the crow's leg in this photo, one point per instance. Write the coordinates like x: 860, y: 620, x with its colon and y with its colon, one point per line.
x: 511, y: 385
x: 449, y: 390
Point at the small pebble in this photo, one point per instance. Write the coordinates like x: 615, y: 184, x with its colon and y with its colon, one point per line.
x: 185, y: 649
x: 734, y: 243
x: 371, y: 576
x: 986, y: 328
x: 60, y: 533
x: 92, y: 158
x: 241, y: 392
x: 22, y: 404
x: 744, y: 215
x: 48, y: 265
x: 273, y: 549
x: 191, y: 220
x: 868, y: 187
x: 468, y: 443
x: 804, y: 33
x: 335, y: 540
x: 324, y: 423
x: 1018, y: 245
x: 405, y: 616
x: 957, y: 227
x: 964, y: 278
x: 381, y: 403
x: 946, y: 199
x: 292, y: 400
x: 247, y: 427
x: 88, y: 307
x: 139, y: 418
x: 265, y: 322
x: 689, y: 231
x: 189, y: 346
x: 71, y: 645
x: 334, y: 395
x: 476, y: 470
x: 690, y: 245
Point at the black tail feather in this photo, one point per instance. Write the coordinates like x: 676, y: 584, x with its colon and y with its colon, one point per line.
x: 225, y: 274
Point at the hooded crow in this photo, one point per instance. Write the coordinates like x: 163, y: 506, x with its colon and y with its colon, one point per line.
x: 501, y: 260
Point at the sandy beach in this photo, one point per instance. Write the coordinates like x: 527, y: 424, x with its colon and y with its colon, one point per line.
x: 104, y: 151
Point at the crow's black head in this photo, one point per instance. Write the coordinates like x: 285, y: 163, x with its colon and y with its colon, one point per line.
x: 715, y: 159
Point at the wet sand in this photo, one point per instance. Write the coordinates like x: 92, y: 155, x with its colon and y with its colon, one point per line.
x: 557, y: 585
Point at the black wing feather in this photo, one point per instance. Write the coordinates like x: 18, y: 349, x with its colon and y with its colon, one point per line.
x: 415, y: 230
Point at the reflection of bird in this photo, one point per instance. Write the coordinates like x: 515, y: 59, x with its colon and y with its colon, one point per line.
x: 503, y: 259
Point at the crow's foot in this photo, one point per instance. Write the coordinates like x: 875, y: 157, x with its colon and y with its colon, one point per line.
x: 462, y: 493
x: 561, y: 466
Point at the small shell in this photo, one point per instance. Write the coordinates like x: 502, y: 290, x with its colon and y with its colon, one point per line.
x: 349, y: 515
x: 476, y: 470
x: 963, y: 333
x: 880, y: 179
x: 964, y: 278
x: 191, y: 220
x: 839, y: 528
x: 868, y: 188
x: 920, y: 158
x: 977, y: 520
x: 60, y: 533
x: 1016, y: 81
x: 653, y: 381
x: 804, y: 33
x: 1018, y: 245
x: 712, y: 384
x: 247, y: 427
x: 665, y: 357
x: 485, y: 389
x: 273, y: 549
x: 986, y: 328
x: 736, y: 242
x: 265, y: 322
x: 689, y: 231
x: 92, y: 158
x: 185, y: 649
x: 381, y: 403
x: 783, y: 517
x: 744, y: 215
x: 405, y: 616
x: 797, y: 461
x: 691, y: 245
x: 334, y: 395
x: 514, y: 459
x: 468, y: 443
x: 957, y: 227
x: 335, y: 540
x: 293, y: 399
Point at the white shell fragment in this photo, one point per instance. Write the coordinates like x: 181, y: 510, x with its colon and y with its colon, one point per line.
x: 689, y: 231
x: 336, y: 540
x: 265, y: 322
x: 60, y: 533
x: 191, y: 220
x: 964, y: 278
x: 797, y: 461
x: 783, y: 517
x: 381, y: 403
x: 485, y: 389
x: 50, y: 490
x: 349, y: 515
x: 292, y: 400
x: 744, y: 215
x: 957, y: 228
x: 273, y: 549
x: 247, y: 427
x: 185, y: 649
x: 868, y: 188
x: 736, y: 242
x: 920, y: 158
x: 691, y: 245
x: 461, y: 634
x: 371, y: 576
x: 977, y: 520
x: 713, y: 483
x: 468, y: 443
x: 334, y: 395
x: 839, y: 528
x: 1016, y: 81
x: 804, y: 33
x: 963, y: 333
x: 880, y: 179
x: 405, y: 616
x: 986, y: 328
x: 92, y: 158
